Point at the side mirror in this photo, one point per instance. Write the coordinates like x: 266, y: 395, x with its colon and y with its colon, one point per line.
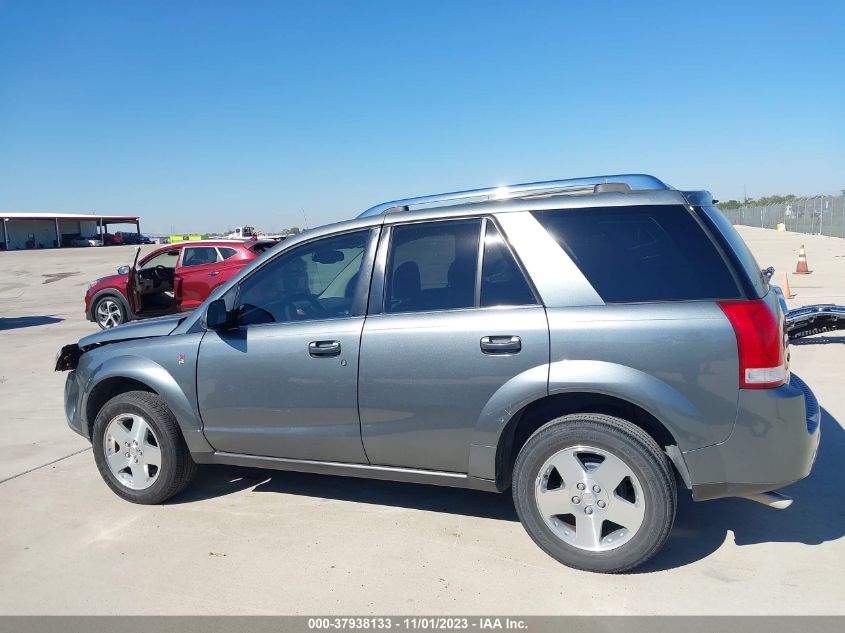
x: 217, y: 317
x: 768, y: 272
x: 123, y: 270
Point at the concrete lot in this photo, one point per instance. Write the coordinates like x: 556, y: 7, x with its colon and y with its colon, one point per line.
x: 247, y: 542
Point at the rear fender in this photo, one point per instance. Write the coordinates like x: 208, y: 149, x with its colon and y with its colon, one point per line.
x: 678, y: 415
x: 686, y: 423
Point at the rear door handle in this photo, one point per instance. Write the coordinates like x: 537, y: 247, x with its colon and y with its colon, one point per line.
x: 214, y: 273
x: 324, y: 348
x: 501, y: 344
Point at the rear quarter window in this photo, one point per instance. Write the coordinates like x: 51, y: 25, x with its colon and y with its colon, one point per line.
x: 736, y: 246
x: 642, y: 253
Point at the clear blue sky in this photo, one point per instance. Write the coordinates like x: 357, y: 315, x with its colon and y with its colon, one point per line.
x: 203, y: 115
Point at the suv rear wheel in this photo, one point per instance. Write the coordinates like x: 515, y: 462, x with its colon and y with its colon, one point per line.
x: 595, y: 492
x: 139, y: 449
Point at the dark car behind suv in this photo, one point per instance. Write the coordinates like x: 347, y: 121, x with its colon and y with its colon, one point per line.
x: 589, y: 344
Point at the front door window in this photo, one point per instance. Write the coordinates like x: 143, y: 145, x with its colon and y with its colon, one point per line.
x: 317, y: 280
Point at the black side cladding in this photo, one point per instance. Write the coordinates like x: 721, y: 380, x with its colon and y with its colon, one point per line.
x: 68, y: 357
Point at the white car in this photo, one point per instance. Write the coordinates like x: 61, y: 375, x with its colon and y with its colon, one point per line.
x: 86, y: 241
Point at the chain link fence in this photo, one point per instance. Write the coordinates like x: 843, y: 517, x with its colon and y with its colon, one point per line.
x: 820, y: 215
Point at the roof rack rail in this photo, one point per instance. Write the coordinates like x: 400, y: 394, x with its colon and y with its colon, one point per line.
x: 633, y: 182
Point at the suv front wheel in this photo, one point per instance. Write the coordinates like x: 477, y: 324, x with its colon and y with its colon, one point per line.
x: 595, y: 492
x: 139, y: 449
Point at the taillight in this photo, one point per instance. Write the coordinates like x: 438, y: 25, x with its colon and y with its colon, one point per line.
x: 760, y: 344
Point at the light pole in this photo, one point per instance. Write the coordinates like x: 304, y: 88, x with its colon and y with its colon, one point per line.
x: 843, y: 212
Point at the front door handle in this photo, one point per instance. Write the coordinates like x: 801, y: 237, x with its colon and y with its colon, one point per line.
x: 324, y: 348
x: 501, y: 344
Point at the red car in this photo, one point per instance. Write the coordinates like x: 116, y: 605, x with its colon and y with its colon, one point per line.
x: 174, y: 278
x: 112, y: 239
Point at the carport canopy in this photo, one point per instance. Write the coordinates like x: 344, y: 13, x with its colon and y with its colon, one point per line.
x: 100, y: 221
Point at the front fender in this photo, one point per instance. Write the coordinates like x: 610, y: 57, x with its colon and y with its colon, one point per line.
x: 166, y: 365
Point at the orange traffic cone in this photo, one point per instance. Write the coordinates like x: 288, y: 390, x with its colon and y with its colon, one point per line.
x: 787, y: 291
x: 802, y: 268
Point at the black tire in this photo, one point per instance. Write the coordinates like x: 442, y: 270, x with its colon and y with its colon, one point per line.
x: 639, y: 452
x: 109, y: 300
x: 177, y: 467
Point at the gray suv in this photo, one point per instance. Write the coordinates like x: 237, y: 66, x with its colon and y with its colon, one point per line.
x: 589, y: 344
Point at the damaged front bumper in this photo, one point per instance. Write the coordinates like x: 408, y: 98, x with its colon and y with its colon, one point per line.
x: 68, y: 357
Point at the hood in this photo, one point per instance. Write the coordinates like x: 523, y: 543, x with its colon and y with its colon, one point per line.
x: 111, y: 279
x: 148, y: 328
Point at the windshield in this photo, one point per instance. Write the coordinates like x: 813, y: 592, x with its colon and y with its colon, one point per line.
x: 166, y: 259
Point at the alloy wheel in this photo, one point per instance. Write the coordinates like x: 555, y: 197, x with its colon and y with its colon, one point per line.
x: 109, y: 314
x: 590, y: 498
x: 132, y: 451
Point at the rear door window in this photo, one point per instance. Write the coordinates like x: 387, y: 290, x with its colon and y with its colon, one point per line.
x: 642, y: 253
x: 432, y: 266
x: 502, y: 280
x: 199, y: 256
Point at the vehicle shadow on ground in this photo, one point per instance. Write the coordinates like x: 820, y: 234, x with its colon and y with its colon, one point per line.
x: 818, y: 340
x: 215, y: 481
x: 816, y: 516
x: 14, y: 323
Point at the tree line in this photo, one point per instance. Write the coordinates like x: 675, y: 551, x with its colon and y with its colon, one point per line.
x: 765, y: 201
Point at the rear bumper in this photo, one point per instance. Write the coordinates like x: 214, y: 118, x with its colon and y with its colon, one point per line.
x: 773, y: 444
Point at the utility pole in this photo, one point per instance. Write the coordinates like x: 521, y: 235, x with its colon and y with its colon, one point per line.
x: 843, y: 213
